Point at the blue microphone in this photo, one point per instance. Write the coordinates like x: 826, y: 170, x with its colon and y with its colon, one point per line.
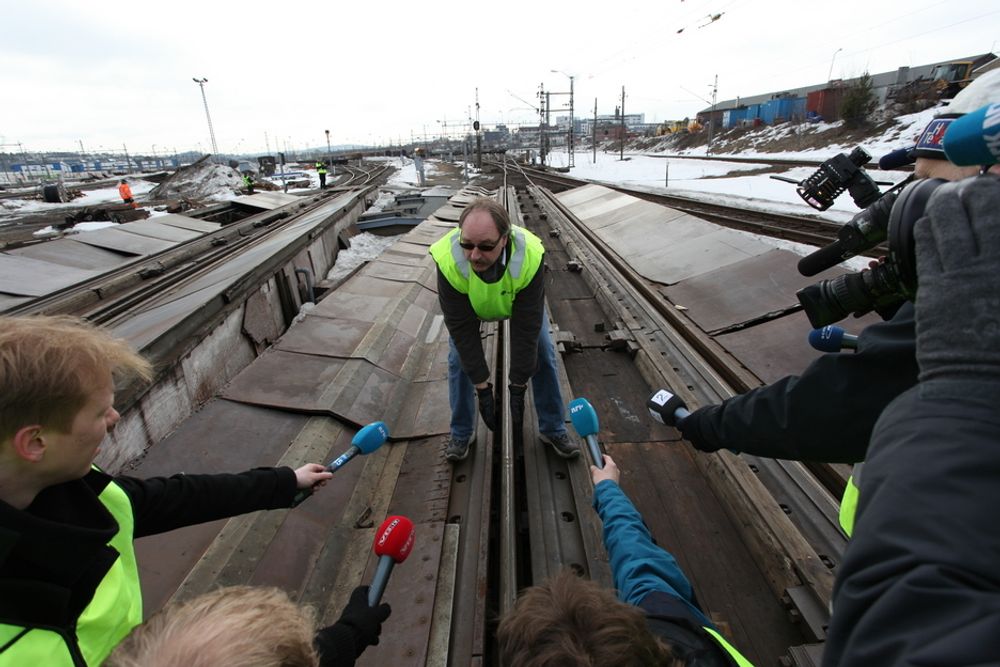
x: 832, y: 339
x: 584, y: 419
x: 365, y: 441
x: 974, y: 139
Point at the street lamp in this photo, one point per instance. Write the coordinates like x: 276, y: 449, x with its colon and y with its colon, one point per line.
x: 572, y: 122
x: 329, y: 155
x: 211, y: 132
x: 830, y: 74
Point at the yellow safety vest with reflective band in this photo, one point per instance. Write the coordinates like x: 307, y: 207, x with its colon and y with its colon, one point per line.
x: 491, y: 301
x: 115, y: 609
x: 733, y: 653
x: 849, y: 503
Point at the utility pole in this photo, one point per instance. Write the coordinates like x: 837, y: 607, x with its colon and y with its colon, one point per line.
x: 593, y: 139
x: 621, y: 155
x: 711, y: 117
x: 541, y: 125
x: 128, y: 163
x: 329, y: 155
x: 572, y: 126
x: 211, y: 131
x: 479, y: 136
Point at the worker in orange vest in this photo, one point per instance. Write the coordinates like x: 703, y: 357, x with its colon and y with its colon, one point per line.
x: 126, y: 192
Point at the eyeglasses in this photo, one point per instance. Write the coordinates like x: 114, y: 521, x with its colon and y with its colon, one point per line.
x: 483, y: 247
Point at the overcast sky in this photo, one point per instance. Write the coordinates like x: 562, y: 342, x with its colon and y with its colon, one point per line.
x: 109, y: 73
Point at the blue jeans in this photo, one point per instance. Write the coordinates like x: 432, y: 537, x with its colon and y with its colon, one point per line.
x: 544, y: 385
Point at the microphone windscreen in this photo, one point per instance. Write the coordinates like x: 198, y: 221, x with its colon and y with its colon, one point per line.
x: 974, y: 139
x: 394, y: 538
x: 822, y: 259
x: 371, y: 437
x: 583, y: 416
x: 828, y: 339
x: 897, y: 158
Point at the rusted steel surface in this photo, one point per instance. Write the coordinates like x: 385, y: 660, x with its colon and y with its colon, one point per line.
x: 70, y: 253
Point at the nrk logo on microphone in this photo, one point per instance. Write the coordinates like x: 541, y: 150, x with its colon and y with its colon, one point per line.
x: 661, y: 397
x: 395, y: 537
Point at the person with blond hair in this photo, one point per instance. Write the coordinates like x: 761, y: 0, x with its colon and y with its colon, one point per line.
x: 69, y: 584
x: 655, y: 619
x: 250, y: 626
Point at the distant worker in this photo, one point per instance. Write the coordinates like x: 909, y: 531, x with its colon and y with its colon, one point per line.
x: 248, y: 182
x: 126, y: 193
x: 418, y: 164
x: 250, y: 625
x: 321, y: 170
x: 655, y: 619
x: 69, y: 582
x: 490, y: 270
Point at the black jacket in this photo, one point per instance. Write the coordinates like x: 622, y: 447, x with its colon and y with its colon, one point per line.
x: 525, y: 325
x: 920, y: 581
x: 825, y: 414
x: 54, y: 553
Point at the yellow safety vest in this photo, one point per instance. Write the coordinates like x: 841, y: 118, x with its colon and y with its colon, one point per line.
x: 115, y: 609
x: 491, y: 301
x: 849, y: 503
x: 733, y: 653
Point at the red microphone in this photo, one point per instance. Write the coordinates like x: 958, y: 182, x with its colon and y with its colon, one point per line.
x: 393, y: 543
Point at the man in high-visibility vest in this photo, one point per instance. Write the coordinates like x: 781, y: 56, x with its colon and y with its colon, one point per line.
x: 126, y: 193
x: 490, y: 270
x: 321, y: 170
x: 655, y: 619
x: 69, y: 584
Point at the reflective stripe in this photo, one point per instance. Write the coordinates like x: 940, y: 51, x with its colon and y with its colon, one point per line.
x: 733, y: 653
x: 849, y: 503
x: 115, y: 609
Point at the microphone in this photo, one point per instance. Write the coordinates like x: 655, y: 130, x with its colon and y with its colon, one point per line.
x: 365, y: 441
x: 974, y: 139
x: 393, y: 543
x: 832, y: 338
x: 897, y: 158
x: 667, y: 407
x: 584, y: 419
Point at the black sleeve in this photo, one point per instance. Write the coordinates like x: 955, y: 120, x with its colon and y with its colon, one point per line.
x: 919, y: 583
x: 160, y: 504
x: 463, y: 326
x: 525, y: 325
x: 336, y: 646
x: 825, y: 414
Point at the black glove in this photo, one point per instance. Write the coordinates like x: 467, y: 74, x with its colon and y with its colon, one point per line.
x: 958, y: 295
x: 517, y: 405
x: 487, y: 406
x: 364, y: 622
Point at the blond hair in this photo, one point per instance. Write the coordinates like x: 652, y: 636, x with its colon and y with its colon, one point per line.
x: 49, y: 365
x: 244, y: 626
x: 574, y: 622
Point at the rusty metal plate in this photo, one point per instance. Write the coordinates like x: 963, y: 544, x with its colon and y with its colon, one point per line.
x: 24, y: 276
x: 324, y: 336
x: 221, y: 437
x: 740, y: 292
x: 268, y: 200
x: 404, y: 253
x: 70, y: 253
x: 115, y: 239
x: 344, y: 303
x: 427, y: 233
x: 184, y: 222
x: 780, y: 347
x: 411, y: 593
x: 426, y: 411
x: 153, y: 229
x: 449, y: 213
x: 399, y: 272
x: 286, y: 380
x: 9, y: 302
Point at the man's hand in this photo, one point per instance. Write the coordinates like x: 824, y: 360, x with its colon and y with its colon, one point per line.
x: 311, y: 476
x: 609, y: 471
x: 958, y: 293
x: 487, y: 406
x: 365, y: 622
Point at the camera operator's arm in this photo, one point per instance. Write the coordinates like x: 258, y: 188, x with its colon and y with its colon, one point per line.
x: 919, y: 583
x: 824, y: 414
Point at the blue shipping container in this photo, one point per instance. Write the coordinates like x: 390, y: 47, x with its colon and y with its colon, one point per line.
x: 76, y: 168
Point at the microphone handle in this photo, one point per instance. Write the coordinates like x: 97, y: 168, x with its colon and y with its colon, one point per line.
x: 595, y: 451
x: 681, y: 414
x: 380, y: 580
x: 822, y: 259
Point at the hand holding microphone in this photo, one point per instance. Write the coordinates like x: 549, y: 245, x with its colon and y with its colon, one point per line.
x: 393, y: 543
x: 584, y: 419
x: 365, y: 441
x: 667, y: 407
x: 363, y: 621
